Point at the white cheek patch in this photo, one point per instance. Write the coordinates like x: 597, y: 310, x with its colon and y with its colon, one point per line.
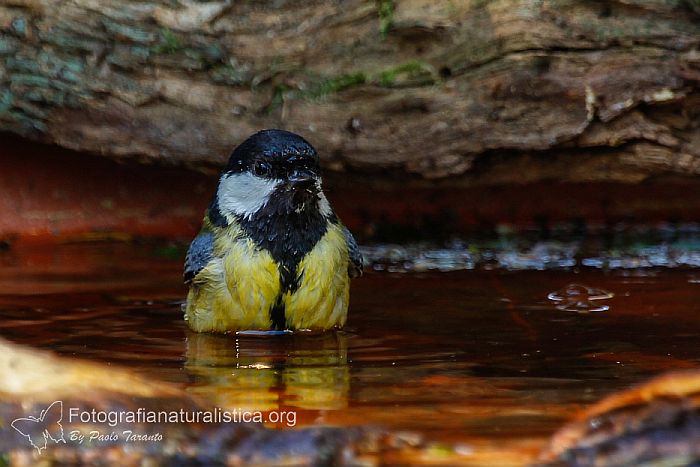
x: 324, y: 207
x: 244, y: 194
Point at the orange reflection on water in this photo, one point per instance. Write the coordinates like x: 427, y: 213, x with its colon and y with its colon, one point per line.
x: 480, y: 363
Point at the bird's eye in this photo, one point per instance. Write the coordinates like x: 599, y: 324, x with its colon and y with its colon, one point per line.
x: 261, y: 169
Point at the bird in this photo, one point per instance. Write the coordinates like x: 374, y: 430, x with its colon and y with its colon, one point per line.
x: 271, y: 255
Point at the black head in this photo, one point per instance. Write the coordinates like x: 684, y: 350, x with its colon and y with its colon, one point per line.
x: 271, y: 173
x: 276, y: 154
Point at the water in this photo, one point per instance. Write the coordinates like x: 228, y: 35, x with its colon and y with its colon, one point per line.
x: 479, y: 361
x: 580, y: 298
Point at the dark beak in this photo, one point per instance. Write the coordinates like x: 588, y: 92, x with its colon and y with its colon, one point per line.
x: 302, y: 179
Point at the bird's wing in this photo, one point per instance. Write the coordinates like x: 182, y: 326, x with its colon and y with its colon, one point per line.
x: 198, y: 255
x: 355, y: 265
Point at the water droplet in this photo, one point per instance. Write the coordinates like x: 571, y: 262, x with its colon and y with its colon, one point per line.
x: 580, y: 299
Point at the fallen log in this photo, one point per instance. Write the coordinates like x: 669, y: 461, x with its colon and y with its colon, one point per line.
x: 472, y: 92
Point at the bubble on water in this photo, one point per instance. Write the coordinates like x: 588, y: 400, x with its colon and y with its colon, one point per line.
x: 580, y: 298
x: 580, y: 291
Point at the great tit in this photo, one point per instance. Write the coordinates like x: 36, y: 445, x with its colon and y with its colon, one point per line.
x: 271, y: 254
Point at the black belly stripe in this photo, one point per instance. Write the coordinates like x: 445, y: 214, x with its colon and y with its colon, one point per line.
x: 288, y: 236
x: 279, y: 320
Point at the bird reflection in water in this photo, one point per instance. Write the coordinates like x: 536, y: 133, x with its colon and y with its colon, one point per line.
x: 307, y: 372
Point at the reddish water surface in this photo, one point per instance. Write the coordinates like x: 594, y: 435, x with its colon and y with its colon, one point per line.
x: 479, y: 362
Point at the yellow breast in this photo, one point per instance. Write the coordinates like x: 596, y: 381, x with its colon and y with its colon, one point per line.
x: 321, y: 301
x: 241, y: 284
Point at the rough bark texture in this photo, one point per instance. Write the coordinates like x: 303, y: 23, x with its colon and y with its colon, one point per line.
x: 479, y: 92
x: 655, y: 423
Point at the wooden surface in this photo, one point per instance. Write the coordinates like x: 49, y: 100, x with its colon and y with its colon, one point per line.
x: 403, y: 92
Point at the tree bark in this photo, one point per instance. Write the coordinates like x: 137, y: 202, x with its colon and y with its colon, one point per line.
x: 406, y: 91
